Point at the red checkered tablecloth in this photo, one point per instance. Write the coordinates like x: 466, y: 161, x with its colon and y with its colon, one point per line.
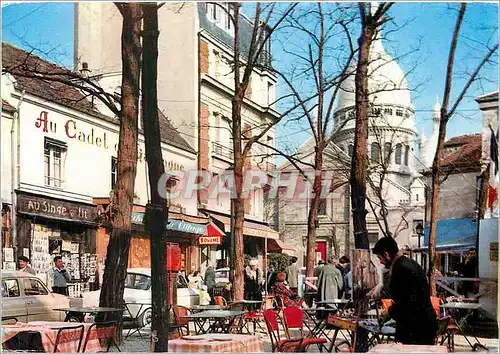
x: 213, y: 343
x: 48, y: 333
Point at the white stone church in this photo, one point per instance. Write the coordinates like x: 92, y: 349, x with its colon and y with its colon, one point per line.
x: 393, y: 147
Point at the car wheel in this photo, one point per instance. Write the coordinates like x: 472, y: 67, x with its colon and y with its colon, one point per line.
x: 145, y: 319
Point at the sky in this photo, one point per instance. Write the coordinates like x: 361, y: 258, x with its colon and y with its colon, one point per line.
x: 48, y: 27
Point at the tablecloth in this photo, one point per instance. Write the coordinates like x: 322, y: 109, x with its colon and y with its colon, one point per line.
x: 403, y: 348
x: 48, y: 333
x: 238, y: 343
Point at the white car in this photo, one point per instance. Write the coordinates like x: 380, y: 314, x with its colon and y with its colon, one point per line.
x: 26, y: 298
x: 222, y: 275
x: 137, y: 295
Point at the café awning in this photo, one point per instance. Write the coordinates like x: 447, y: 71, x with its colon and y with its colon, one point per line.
x: 250, y: 228
x: 454, y: 234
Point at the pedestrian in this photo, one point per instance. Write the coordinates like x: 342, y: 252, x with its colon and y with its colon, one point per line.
x: 345, y: 264
x: 329, y: 282
x: 23, y: 265
x: 61, y: 277
x: 254, y: 281
x: 409, y: 290
x: 468, y: 269
x: 210, y: 280
x: 292, y: 275
x: 318, y: 268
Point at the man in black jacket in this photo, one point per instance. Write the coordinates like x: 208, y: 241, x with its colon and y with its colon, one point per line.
x: 412, y: 310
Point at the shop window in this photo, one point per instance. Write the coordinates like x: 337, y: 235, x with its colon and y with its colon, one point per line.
x: 10, y: 288
x: 322, y: 207
x: 34, y: 287
x: 54, y: 154
x: 113, y: 172
x: 399, y: 153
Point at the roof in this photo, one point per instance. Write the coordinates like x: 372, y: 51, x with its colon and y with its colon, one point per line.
x: 245, y: 31
x: 144, y: 271
x: 489, y: 97
x: 16, y: 60
x: 6, y: 106
x: 454, y: 234
x: 16, y: 274
x: 466, y: 157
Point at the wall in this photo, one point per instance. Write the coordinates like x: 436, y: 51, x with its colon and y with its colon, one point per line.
x: 6, y: 173
x: 87, y: 163
x: 488, y: 268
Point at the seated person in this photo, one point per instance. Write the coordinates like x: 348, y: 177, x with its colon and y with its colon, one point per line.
x: 281, y: 290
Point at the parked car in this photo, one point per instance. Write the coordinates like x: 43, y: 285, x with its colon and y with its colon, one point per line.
x: 26, y: 298
x: 222, y: 275
x: 138, y: 291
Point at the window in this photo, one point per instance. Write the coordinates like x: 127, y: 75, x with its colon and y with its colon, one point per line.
x: 350, y: 150
x: 54, y: 154
x: 399, y: 153
x: 137, y: 281
x: 387, y: 152
x: 407, y: 153
x: 10, y: 288
x: 113, y: 172
x: 375, y: 152
x: 351, y: 114
x: 33, y: 287
x: 217, y: 61
x: 270, y: 93
x: 417, y: 224
x: 322, y: 207
x: 373, y: 237
x: 416, y: 197
x: 212, y: 12
x: 376, y: 111
x: 399, y: 113
x: 388, y: 111
x: 230, y: 12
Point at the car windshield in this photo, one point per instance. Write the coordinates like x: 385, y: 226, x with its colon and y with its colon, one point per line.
x: 137, y: 281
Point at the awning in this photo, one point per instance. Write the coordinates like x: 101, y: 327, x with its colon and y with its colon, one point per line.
x: 174, y: 224
x: 454, y: 234
x: 249, y: 228
x: 280, y: 246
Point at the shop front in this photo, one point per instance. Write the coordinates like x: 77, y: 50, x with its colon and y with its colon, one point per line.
x: 258, y: 240
x: 47, y: 227
x: 183, y: 230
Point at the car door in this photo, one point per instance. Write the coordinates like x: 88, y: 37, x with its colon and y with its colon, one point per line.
x: 13, y: 304
x: 39, y: 301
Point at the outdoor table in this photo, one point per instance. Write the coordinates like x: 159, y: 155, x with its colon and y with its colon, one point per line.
x: 339, y: 304
x: 205, y: 307
x: 320, y: 322
x: 404, y: 348
x: 48, y: 334
x: 216, y: 343
x: 462, y: 322
x: 82, y: 311
x: 218, y: 320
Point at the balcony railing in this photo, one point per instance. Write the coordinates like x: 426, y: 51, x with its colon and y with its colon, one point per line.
x: 222, y: 151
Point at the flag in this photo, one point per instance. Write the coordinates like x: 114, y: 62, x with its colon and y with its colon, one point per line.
x: 493, y: 185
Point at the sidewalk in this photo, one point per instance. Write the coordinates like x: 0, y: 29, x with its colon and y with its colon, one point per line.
x: 136, y: 344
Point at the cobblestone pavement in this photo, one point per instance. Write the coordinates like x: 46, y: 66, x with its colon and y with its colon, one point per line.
x: 137, y: 344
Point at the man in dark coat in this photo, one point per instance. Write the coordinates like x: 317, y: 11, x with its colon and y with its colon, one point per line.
x: 412, y: 310
x: 210, y: 280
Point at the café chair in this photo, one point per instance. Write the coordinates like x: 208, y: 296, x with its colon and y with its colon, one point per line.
x: 293, y: 317
x: 219, y: 300
x: 104, y: 332
x: 290, y: 345
x: 181, y: 321
x: 69, y: 334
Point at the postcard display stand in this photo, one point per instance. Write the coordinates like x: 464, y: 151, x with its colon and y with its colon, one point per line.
x: 81, y: 266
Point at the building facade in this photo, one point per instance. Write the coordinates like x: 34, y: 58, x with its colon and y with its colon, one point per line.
x: 64, y: 174
x: 195, y: 86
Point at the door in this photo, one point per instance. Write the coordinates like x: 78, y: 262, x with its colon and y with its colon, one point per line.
x: 13, y: 304
x: 39, y: 301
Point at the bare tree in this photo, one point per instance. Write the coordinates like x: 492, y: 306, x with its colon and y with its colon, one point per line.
x: 125, y: 108
x: 447, y: 111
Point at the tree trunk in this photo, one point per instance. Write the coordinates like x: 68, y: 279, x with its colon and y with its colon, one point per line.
x: 436, y: 164
x: 312, y: 219
x: 157, y: 210
x: 238, y: 202
x: 359, y: 162
x: 123, y: 197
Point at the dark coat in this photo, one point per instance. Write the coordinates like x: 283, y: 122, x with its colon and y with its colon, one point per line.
x: 210, y: 278
x: 412, y: 310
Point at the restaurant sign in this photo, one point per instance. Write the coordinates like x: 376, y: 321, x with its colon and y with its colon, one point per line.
x: 56, y: 209
x: 174, y: 225
x: 210, y: 240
